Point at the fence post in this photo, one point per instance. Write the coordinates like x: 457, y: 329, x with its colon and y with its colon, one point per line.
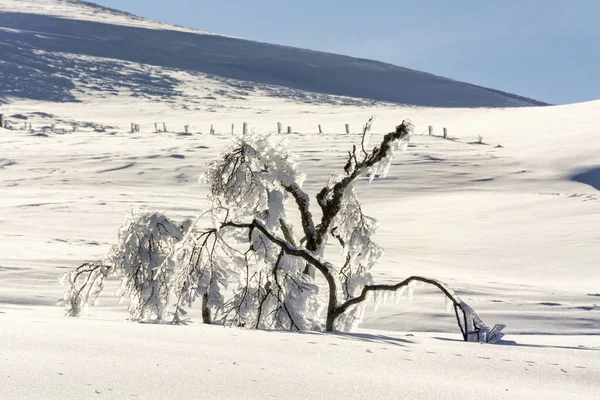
x: 137, y: 128
x: 52, y: 127
x: 347, y: 128
x: 187, y: 129
x: 430, y: 130
x: 1, y: 120
x: 30, y: 127
x: 132, y: 127
x: 164, y: 127
x: 245, y: 129
x: 212, y: 130
x: 445, y: 133
x: 279, y: 127
x: 155, y: 127
x: 232, y: 128
x: 289, y: 129
x: 320, y: 130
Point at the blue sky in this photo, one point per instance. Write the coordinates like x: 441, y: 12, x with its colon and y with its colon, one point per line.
x: 545, y: 49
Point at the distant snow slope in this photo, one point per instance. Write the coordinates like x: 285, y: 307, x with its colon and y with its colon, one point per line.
x: 47, y: 45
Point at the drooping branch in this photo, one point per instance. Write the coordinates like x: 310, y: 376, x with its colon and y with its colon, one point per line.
x: 193, y: 271
x: 80, y: 294
x: 282, y: 301
x: 469, y: 324
x: 323, y: 267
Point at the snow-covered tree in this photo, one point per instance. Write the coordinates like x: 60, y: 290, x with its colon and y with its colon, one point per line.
x: 247, y: 235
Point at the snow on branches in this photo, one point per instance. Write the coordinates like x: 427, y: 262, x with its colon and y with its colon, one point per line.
x: 251, y: 177
x: 143, y: 245
x: 246, y: 236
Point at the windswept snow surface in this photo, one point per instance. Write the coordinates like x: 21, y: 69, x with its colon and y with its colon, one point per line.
x: 507, y: 227
x: 54, y: 358
x: 512, y: 224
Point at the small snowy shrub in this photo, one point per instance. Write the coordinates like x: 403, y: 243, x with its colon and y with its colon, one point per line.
x: 246, y: 236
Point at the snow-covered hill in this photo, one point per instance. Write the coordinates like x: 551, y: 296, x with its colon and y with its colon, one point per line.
x: 511, y: 222
x: 54, y: 50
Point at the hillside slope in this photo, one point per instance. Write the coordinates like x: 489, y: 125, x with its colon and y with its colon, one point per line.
x: 47, y: 45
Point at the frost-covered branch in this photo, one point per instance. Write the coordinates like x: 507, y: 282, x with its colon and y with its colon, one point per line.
x: 144, y: 242
x: 303, y: 202
x: 365, y: 136
x: 200, y: 265
x: 471, y: 326
x: 326, y: 269
x: 273, y: 291
x: 331, y: 196
x: 85, y: 285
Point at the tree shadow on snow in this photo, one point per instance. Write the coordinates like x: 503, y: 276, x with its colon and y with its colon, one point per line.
x: 504, y: 342
x: 361, y: 337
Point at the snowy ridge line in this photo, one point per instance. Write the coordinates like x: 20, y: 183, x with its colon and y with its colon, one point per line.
x: 89, y: 11
x: 255, y: 64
